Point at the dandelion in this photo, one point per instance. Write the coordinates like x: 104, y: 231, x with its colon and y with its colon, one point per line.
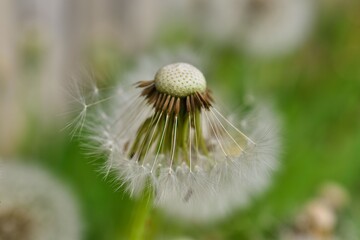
x: 322, y: 217
x: 34, y: 206
x: 171, y: 137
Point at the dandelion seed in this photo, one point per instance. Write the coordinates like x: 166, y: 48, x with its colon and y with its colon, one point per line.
x: 34, y: 206
x: 171, y: 137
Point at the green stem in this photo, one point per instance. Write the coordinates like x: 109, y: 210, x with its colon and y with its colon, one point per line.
x: 185, y: 137
x: 199, y: 133
x: 141, y: 216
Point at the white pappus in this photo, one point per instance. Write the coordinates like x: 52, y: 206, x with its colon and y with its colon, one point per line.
x: 163, y: 130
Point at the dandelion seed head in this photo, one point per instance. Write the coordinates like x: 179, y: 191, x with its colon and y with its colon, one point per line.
x: 34, y: 206
x: 167, y: 134
x: 180, y: 79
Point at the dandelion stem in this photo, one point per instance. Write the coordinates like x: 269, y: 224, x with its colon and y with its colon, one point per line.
x: 141, y: 216
x: 198, y: 131
x: 185, y: 138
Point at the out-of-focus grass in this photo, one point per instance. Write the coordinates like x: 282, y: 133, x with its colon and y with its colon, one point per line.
x: 317, y: 93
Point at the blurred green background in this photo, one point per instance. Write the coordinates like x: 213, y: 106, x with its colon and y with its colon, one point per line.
x: 315, y: 88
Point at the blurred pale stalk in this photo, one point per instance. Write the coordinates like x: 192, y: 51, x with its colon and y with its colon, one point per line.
x: 46, y: 20
x: 132, y: 25
x: 12, y: 118
x: 40, y: 44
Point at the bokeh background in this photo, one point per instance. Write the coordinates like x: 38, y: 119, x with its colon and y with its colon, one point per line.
x: 304, y: 55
